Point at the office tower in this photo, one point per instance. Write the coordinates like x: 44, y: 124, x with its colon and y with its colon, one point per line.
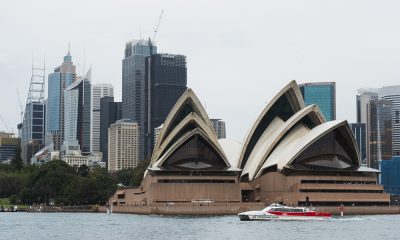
x: 219, y: 127
x: 392, y: 94
x: 8, y: 146
x: 322, y: 94
x: 99, y: 90
x: 133, y: 83
x: 380, y: 132
x: 166, y: 81
x: 123, y: 145
x: 365, y: 95
x: 62, y: 77
x: 360, y: 134
x: 110, y: 112
x: 33, y: 123
x: 77, y: 112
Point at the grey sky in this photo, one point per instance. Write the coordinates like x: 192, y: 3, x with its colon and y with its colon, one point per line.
x: 240, y: 53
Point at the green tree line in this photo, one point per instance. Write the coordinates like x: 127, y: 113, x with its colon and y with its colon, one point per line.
x: 65, y: 185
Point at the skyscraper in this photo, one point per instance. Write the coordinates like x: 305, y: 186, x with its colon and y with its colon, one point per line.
x: 219, y: 128
x: 133, y: 83
x: 62, y: 77
x: 322, y: 94
x: 99, y: 90
x: 365, y: 95
x: 110, y: 112
x: 33, y: 123
x: 123, y: 145
x: 77, y: 112
x: 360, y: 133
x: 380, y: 132
x: 392, y: 94
x: 166, y: 81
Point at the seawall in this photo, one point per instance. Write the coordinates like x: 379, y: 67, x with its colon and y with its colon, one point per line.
x: 234, y: 209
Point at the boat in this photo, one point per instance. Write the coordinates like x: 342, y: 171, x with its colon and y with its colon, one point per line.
x: 280, y: 212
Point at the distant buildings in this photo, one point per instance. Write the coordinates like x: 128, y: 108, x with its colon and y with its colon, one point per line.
x: 166, y: 81
x: 62, y: 77
x: 99, y: 90
x: 390, y: 178
x: 73, y: 156
x: 110, y: 112
x: 219, y: 128
x: 133, y: 83
x: 8, y: 146
x: 322, y: 94
x: 77, y: 112
x: 123, y: 145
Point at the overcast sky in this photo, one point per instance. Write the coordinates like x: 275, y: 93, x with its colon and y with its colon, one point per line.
x: 239, y: 53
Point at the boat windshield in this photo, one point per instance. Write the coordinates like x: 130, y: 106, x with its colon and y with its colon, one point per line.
x: 288, y: 209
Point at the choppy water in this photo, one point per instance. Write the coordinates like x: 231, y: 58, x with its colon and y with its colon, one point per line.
x: 98, y: 226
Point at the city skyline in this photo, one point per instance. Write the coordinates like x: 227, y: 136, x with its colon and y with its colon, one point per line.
x: 299, y: 47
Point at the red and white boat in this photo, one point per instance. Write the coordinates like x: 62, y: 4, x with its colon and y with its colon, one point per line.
x: 280, y: 212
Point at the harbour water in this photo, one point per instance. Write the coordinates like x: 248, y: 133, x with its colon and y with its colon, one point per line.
x: 98, y: 226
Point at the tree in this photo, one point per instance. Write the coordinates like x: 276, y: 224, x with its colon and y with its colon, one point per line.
x: 138, y: 173
x: 83, y: 170
x: 17, y: 162
x: 124, y: 176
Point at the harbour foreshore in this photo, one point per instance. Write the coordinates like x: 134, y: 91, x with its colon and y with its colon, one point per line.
x: 233, y: 209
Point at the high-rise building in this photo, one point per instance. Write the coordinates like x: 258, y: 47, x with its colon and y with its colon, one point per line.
x: 322, y: 94
x: 363, y: 98
x: 99, y: 90
x: 365, y: 95
x: 110, y: 112
x: 380, y: 132
x: 166, y: 81
x: 360, y: 134
x: 133, y: 83
x: 33, y: 123
x: 8, y: 146
x: 77, y: 112
x: 123, y: 145
x: 392, y: 94
x: 62, y: 77
x: 219, y: 127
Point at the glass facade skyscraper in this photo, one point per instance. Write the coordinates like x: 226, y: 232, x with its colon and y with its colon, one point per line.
x: 166, y: 81
x: 392, y: 94
x: 77, y: 113
x: 322, y: 94
x: 110, y: 112
x: 133, y: 84
x: 380, y: 132
x: 99, y: 90
x: 62, y: 77
x: 360, y: 134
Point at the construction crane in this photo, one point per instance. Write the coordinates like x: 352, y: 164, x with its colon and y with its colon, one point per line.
x: 21, y: 108
x: 151, y: 40
x: 158, y: 25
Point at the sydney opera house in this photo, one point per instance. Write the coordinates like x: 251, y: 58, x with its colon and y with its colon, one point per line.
x: 290, y: 155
